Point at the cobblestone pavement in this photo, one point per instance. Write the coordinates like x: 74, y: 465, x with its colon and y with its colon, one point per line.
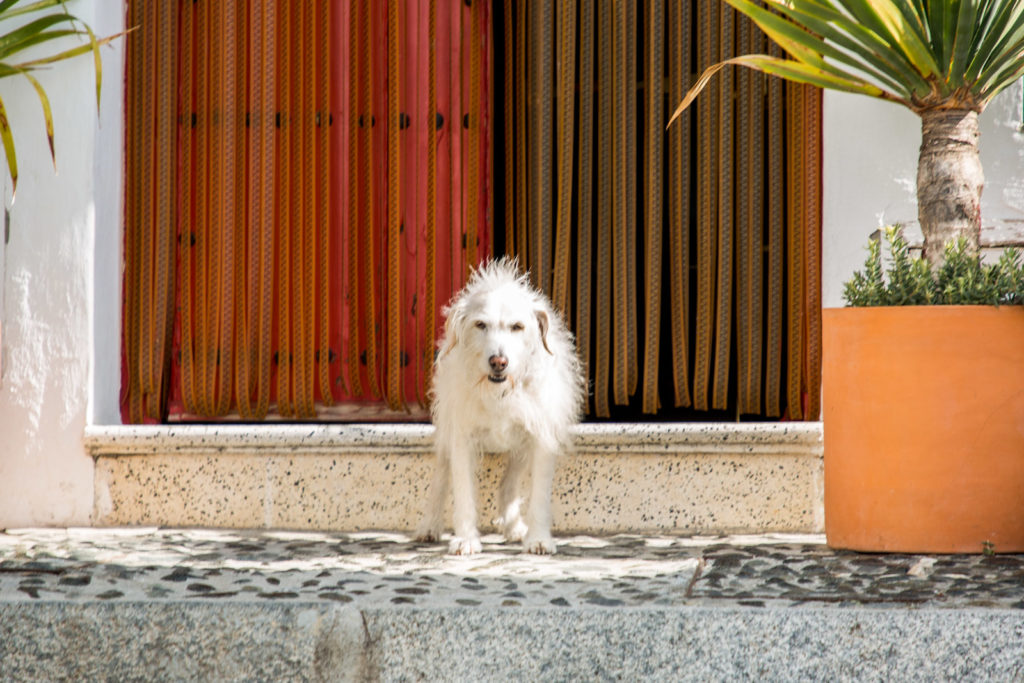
x: 380, y: 569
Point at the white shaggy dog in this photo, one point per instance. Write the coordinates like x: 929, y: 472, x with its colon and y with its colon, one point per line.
x: 507, y: 380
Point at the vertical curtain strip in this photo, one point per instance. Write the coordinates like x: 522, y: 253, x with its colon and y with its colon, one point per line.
x: 150, y: 233
x: 323, y: 19
x: 305, y: 108
x: 394, y: 215
x: 455, y: 264
x: 350, y: 232
x: 541, y: 77
x: 678, y: 171
x: 284, y: 355
x: 183, y: 391
x: 812, y: 278
x: 151, y: 236
x: 750, y: 221
x: 796, y: 205
x: 472, y: 120
x: 520, y: 187
x: 622, y: 269
x: 414, y: 139
x: 708, y: 123
x: 295, y: 204
x: 430, y: 325
x: 715, y: 225
x: 132, y: 394
x: 264, y: 114
x: 653, y: 225
x: 601, y: 368
x: 509, y: 120
x: 206, y: 239
x: 746, y: 227
x: 483, y: 46
x: 367, y: 286
x: 584, y: 162
x: 165, y: 214
x: 227, y: 121
x: 726, y: 204
x: 631, y: 131
x: 776, y: 223
x: 443, y: 133
x: 566, y: 134
x: 245, y: 334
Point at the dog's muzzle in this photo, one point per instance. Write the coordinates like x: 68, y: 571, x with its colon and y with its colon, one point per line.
x: 498, y: 365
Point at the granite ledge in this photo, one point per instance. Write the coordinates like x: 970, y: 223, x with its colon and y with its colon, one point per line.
x: 795, y: 438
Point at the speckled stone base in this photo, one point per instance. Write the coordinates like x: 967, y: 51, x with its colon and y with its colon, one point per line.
x: 677, y: 478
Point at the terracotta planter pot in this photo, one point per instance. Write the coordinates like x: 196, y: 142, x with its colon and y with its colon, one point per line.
x: 924, y: 428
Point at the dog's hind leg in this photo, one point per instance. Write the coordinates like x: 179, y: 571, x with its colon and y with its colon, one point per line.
x: 510, y: 499
x: 432, y: 524
x: 538, y: 518
x: 463, y: 470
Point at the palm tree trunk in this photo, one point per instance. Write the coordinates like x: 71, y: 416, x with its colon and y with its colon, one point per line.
x: 949, y: 180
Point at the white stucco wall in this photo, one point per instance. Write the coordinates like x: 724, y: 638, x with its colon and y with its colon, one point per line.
x: 58, y: 333
x: 870, y: 174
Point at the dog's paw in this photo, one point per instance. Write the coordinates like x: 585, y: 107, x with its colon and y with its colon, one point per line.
x: 464, y: 546
x: 542, y: 545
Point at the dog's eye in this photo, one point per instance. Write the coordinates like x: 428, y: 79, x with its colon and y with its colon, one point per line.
x: 518, y: 327
x: 480, y: 325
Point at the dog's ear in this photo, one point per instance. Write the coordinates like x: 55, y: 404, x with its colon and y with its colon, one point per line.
x: 543, y: 322
x: 454, y: 317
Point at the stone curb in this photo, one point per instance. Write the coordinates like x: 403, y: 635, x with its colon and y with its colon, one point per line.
x: 275, y: 640
x: 803, y: 438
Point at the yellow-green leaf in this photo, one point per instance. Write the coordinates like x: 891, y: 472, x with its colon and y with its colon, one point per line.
x: 47, y: 115
x: 8, y: 141
x: 790, y: 70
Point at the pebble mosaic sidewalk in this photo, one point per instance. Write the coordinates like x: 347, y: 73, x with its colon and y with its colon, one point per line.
x: 376, y: 569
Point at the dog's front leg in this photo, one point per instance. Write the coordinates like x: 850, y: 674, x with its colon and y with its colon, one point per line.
x: 510, y: 498
x: 432, y: 524
x: 538, y: 519
x: 463, y: 470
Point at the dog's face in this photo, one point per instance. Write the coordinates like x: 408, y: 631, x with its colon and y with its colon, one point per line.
x: 500, y: 330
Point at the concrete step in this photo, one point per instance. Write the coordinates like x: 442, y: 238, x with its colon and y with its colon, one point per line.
x: 151, y: 604
x: 674, y: 478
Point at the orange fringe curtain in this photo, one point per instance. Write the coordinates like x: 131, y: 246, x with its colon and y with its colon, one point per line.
x: 306, y: 185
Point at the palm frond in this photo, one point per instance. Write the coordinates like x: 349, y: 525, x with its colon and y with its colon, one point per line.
x: 28, y: 35
x: 858, y: 47
x: 58, y: 25
x: 44, y: 101
x: 7, y: 137
x: 993, y: 34
x: 922, y: 54
x: 789, y: 69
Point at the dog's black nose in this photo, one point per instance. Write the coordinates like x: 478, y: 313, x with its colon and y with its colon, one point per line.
x: 498, y: 363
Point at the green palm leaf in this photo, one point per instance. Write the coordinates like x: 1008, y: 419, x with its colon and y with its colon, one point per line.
x: 923, y: 54
x: 58, y: 25
x: 859, y: 47
x: 8, y: 142
x: 803, y: 44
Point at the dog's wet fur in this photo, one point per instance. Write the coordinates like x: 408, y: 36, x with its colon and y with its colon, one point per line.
x: 507, y: 380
